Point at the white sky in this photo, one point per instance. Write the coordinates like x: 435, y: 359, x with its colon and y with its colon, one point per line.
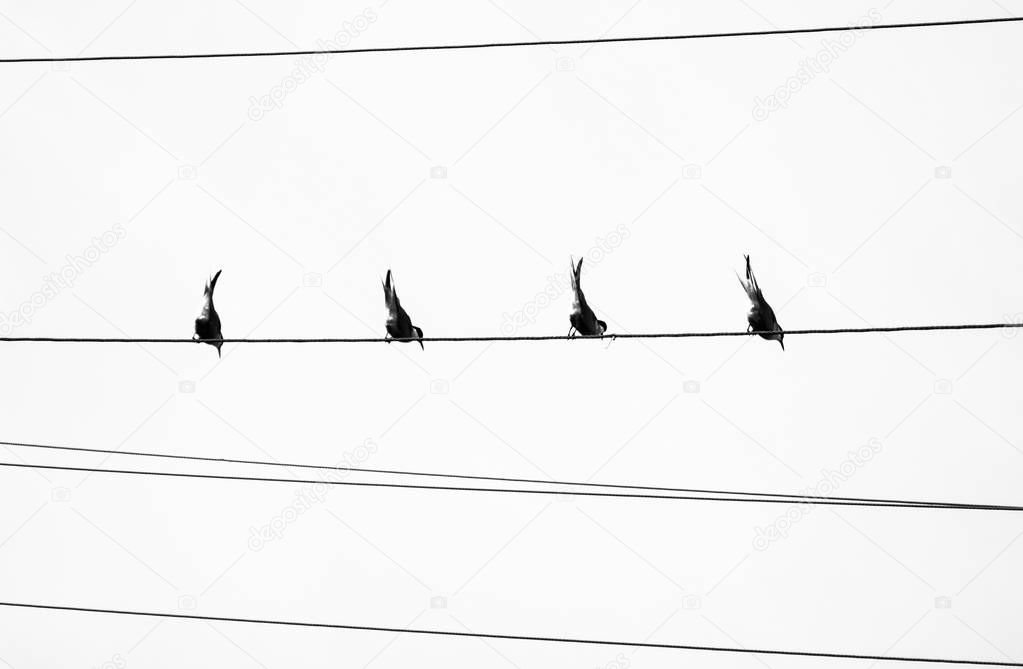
x: 659, y: 139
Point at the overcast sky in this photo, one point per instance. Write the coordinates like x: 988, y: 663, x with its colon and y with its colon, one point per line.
x: 874, y: 181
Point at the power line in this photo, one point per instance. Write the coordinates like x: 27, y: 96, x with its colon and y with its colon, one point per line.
x: 786, y: 498
x: 637, y: 335
x: 496, y: 45
x: 519, y: 637
x: 519, y: 491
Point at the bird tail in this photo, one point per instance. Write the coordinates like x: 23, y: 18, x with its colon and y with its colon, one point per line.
x: 746, y: 285
x: 577, y: 269
x: 390, y: 294
x: 751, y: 277
x: 749, y: 284
x: 212, y: 283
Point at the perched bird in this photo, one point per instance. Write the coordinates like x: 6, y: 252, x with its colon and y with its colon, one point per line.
x: 399, y: 325
x: 761, y: 316
x: 207, y: 325
x: 583, y: 320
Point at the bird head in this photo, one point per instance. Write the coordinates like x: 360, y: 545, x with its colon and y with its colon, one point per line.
x: 602, y: 325
x: 419, y: 336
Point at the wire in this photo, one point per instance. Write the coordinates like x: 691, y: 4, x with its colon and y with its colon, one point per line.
x: 399, y: 472
x: 518, y: 637
x: 520, y: 491
x: 647, y: 335
x: 496, y: 45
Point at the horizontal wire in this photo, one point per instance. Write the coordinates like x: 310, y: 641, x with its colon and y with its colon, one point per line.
x: 519, y: 637
x: 496, y: 45
x: 518, y: 491
x: 792, y: 498
x: 637, y: 335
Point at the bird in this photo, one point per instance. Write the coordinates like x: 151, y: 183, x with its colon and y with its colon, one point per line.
x: 761, y: 316
x: 207, y: 325
x: 399, y: 325
x: 583, y: 320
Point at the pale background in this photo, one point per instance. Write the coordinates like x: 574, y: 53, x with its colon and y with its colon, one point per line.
x: 545, y: 151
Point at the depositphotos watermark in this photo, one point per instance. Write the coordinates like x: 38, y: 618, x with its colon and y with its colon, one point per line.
x: 560, y: 282
x: 621, y: 661
x: 308, y: 496
x: 115, y: 662
x: 56, y: 282
x: 1014, y: 323
x: 309, y: 66
x: 810, y: 68
x: 830, y: 481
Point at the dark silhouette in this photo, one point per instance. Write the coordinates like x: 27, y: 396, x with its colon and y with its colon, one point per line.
x: 207, y: 325
x: 399, y: 325
x: 583, y: 320
x: 761, y: 316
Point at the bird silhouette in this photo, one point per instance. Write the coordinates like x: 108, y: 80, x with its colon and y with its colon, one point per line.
x: 761, y: 316
x: 583, y: 320
x: 207, y: 325
x: 399, y: 325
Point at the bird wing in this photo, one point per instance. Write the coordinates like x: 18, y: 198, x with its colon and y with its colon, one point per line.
x: 751, y: 292
x: 207, y: 324
x: 578, y: 299
x: 749, y: 284
x: 390, y: 297
x: 760, y: 311
x: 207, y: 298
x: 210, y: 285
x: 752, y: 279
x: 215, y: 332
x: 204, y: 311
x: 769, y: 318
x: 207, y: 301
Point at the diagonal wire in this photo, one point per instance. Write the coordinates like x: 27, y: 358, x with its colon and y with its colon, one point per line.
x: 498, y: 479
x: 518, y: 637
x: 823, y: 501
x: 496, y: 45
